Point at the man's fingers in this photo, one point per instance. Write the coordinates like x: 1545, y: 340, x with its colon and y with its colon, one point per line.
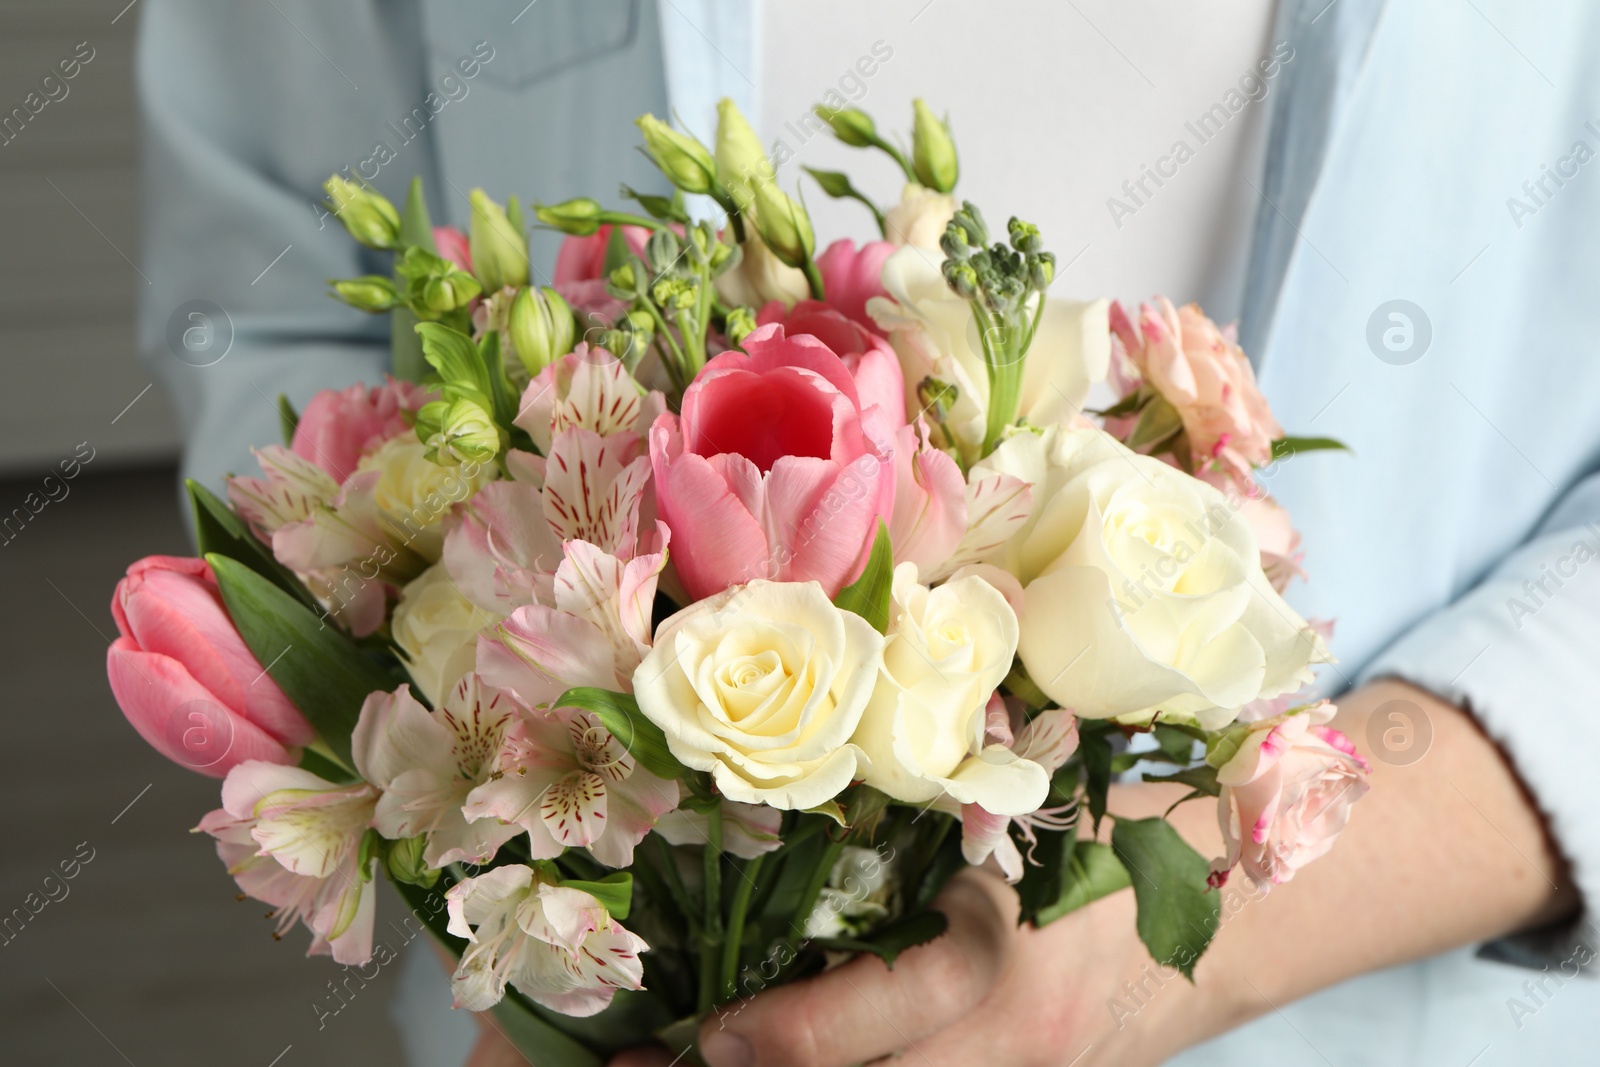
x: 863, y: 1009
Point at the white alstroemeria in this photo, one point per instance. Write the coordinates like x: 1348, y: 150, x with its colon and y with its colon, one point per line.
x: 856, y: 897
x: 293, y: 840
x: 565, y: 779
x: 558, y: 945
x: 427, y: 762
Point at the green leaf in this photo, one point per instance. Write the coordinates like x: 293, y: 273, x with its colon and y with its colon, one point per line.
x: 1089, y: 871
x: 1224, y: 746
x: 618, y: 252
x: 1178, y: 913
x: 405, y: 347
x: 1128, y: 405
x: 868, y: 596
x: 500, y: 394
x: 218, y: 529
x: 892, y: 938
x: 620, y: 714
x: 454, y: 356
x: 324, y: 767
x: 1094, y: 751
x: 515, y: 216
x: 316, y: 666
x: 1202, y: 779
x: 1041, y: 883
x: 288, y: 417
x: 1158, y: 422
x: 1284, y: 447
x: 614, y: 891
x: 667, y: 209
x: 415, y: 226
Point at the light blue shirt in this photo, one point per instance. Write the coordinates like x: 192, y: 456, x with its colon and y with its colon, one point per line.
x: 1424, y: 151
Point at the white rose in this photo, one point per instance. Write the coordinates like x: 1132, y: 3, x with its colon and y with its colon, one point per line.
x: 437, y: 628
x: 1144, y: 589
x: 762, y: 685
x: 933, y: 333
x: 949, y: 649
x: 411, y: 493
x: 920, y: 218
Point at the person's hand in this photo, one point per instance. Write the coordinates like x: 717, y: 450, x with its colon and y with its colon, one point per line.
x: 988, y: 991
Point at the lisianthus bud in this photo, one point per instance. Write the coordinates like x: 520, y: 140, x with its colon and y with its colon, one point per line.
x: 368, y: 215
x: 681, y: 157
x: 851, y: 125
x: 933, y: 153
x: 371, y: 292
x: 579, y: 217
x: 783, y: 224
x: 541, y: 327
x: 406, y: 864
x: 741, y: 161
x: 740, y: 323
x: 499, y: 252
x: 460, y: 431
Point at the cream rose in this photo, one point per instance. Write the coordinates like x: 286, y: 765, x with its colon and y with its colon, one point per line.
x: 919, y: 218
x: 762, y: 685
x: 934, y: 334
x: 1144, y: 589
x: 437, y: 628
x: 948, y: 650
x: 411, y: 494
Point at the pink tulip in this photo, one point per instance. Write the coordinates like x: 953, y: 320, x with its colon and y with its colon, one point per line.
x: 454, y: 246
x: 770, y: 472
x: 1286, y: 795
x: 850, y: 276
x: 184, y: 677
x: 339, y: 426
x: 868, y: 357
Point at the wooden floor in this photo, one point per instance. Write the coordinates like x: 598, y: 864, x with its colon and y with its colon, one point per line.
x: 147, y: 959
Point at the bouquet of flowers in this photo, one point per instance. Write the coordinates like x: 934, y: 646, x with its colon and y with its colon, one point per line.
x: 678, y: 628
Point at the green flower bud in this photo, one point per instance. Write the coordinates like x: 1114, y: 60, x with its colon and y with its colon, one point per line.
x: 579, y: 217
x: 851, y: 125
x: 783, y: 223
x: 741, y: 320
x: 1024, y: 236
x: 623, y: 283
x: 661, y: 251
x: 371, y: 292
x: 406, y: 864
x: 1041, y: 270
x: 961, y: 277
x: 682, y: 158
x: 466, y: 433
x: 369, y: 216
x: 970, y: 219
x: 436, y: 294
x: 933, y: 153
x: 741, y: 161
x: 541, y: 328
x: 936, y: 398
x: 499, y: 252
x: 673, y: 292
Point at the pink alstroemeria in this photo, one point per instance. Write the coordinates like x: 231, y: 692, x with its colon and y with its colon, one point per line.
x: 427, y: 762
x: 1286, y: 795
x: 748, y: 830
x: 558, y: 945
x: 1048, y: 739
x: 293, y: 840
x: 562, y: 777
x: 930, y: 501
x: 589, y: 389
x: 770, y: 472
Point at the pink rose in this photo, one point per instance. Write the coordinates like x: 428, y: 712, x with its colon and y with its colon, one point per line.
x: 771, y: 471
x: 1200, y: 370
x: 454, y: 246
x: 580, y: 273
x: 852, y: 276
x: 1286, y: 795
x: 184, y: 677
x: 340, y: 426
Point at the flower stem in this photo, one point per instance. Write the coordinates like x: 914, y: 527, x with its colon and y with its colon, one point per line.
x: 735, y: 935
x: 711, y: 929
x: 813, y: 278
x: 675, y: 886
